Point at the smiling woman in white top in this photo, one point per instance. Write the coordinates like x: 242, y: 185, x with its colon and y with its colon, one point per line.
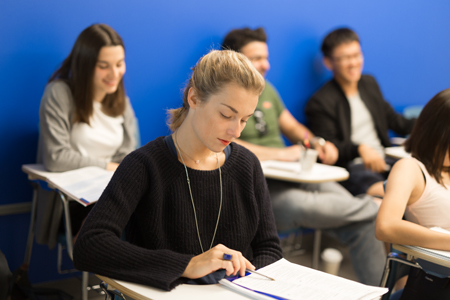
x: 85, y: 118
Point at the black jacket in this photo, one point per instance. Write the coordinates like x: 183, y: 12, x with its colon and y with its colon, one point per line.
x: 328, y: 114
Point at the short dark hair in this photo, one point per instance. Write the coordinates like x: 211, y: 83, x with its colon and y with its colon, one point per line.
x: 429, y: 141
x: 77, y: 70
x: 336, y: 38
x: 236, y: 39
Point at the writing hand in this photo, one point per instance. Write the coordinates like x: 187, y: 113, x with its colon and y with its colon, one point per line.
x: 328, y: 154
x: 372, y: 160
x: 212, y: 260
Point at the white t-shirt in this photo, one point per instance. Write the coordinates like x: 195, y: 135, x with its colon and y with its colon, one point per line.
x: 101, y: 138
x: 363, y: 127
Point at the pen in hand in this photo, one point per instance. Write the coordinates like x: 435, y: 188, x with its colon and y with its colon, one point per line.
x: 254, y: 272
x: 306, y: 140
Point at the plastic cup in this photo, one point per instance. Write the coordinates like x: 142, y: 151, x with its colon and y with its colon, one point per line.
x: 308, y: 159
x: 332, y: 260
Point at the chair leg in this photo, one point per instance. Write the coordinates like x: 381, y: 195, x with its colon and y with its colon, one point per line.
x: 68, y: 226
x: 84, y: 285
x: 111, y: 293
x: 63, y: 269
x: 30, y: 238
x: 316, y: 248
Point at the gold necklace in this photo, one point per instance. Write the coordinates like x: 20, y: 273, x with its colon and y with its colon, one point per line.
x: 197, y: 161
x: 192, y: 198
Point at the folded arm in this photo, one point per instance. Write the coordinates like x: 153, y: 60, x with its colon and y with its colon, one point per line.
x: 404, y: 186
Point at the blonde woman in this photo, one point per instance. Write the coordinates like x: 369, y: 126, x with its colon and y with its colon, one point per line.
x: 194, y: 205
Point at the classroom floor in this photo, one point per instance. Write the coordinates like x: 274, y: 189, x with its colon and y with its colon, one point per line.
x: 72, y: 285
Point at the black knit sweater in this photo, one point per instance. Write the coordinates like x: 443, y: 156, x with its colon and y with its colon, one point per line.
x: 149, y: 195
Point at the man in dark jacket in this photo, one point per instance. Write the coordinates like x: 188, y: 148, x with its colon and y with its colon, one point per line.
x: 350, y: 111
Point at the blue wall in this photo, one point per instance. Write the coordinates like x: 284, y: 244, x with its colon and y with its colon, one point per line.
x: 405, y: 44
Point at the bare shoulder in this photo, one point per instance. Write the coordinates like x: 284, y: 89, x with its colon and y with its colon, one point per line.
x: 406, y: 165
x: 407, y: 173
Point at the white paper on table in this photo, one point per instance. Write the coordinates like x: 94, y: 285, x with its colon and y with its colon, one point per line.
x: 396, y: 152
x: 85, y: 184
x: 288, y: 166
x: 293, y: 281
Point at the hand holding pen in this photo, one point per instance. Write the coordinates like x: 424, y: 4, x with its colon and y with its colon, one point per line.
x: 306, y: 141
x: 218, y: 257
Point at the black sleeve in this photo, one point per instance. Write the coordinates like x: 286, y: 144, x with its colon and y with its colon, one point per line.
x: 99, y: 248
x: 324, y: 120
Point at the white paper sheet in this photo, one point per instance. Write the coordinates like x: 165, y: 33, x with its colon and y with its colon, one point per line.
x: 85, y: 184
x: 293, y: 281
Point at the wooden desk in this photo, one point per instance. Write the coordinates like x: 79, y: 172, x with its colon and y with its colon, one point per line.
x: 290, y: 171
x: 184, y: 291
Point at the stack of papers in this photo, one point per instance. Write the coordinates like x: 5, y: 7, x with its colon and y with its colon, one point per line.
x: 293, y: 281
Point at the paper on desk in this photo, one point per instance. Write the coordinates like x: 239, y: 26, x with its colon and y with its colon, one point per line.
x: 396, y: 152
x: 84, y: 185
x: 288, y: 166
x: 293, y: 281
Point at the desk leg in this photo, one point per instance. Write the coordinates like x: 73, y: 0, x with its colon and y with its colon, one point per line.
x: 68, y: 224
x: 316, y: 248
x: 30, y: 238
x: 84, y: 285
x: 69, y: 237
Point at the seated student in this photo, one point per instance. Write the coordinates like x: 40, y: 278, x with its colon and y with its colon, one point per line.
x: 419, y: 187
x: 351, y: 112
x: 327, y: 205
x: 187, y: 199
x: 85, y: 119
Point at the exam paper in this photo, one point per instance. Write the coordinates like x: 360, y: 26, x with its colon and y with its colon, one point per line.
x: 293, y: 281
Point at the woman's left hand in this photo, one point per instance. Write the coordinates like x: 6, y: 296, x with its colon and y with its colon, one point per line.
x: 213, y: 259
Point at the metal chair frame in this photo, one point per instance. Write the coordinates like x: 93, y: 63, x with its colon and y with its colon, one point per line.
x: 292, y: 243
x: 68, y: 233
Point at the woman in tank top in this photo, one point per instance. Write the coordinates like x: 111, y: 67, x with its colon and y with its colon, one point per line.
x: 418, y: 188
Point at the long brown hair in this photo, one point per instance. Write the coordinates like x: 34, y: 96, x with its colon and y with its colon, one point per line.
x: 429, y: 141
x: 211, y: 73
x: 77, y: 70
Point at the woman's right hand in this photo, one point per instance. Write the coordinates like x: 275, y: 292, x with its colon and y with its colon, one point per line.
x: 212, y: 260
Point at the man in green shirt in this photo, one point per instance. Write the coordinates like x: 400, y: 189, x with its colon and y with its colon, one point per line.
x: 325, y: 206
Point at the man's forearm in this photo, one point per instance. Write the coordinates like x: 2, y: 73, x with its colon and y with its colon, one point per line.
x: 261, y: 152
